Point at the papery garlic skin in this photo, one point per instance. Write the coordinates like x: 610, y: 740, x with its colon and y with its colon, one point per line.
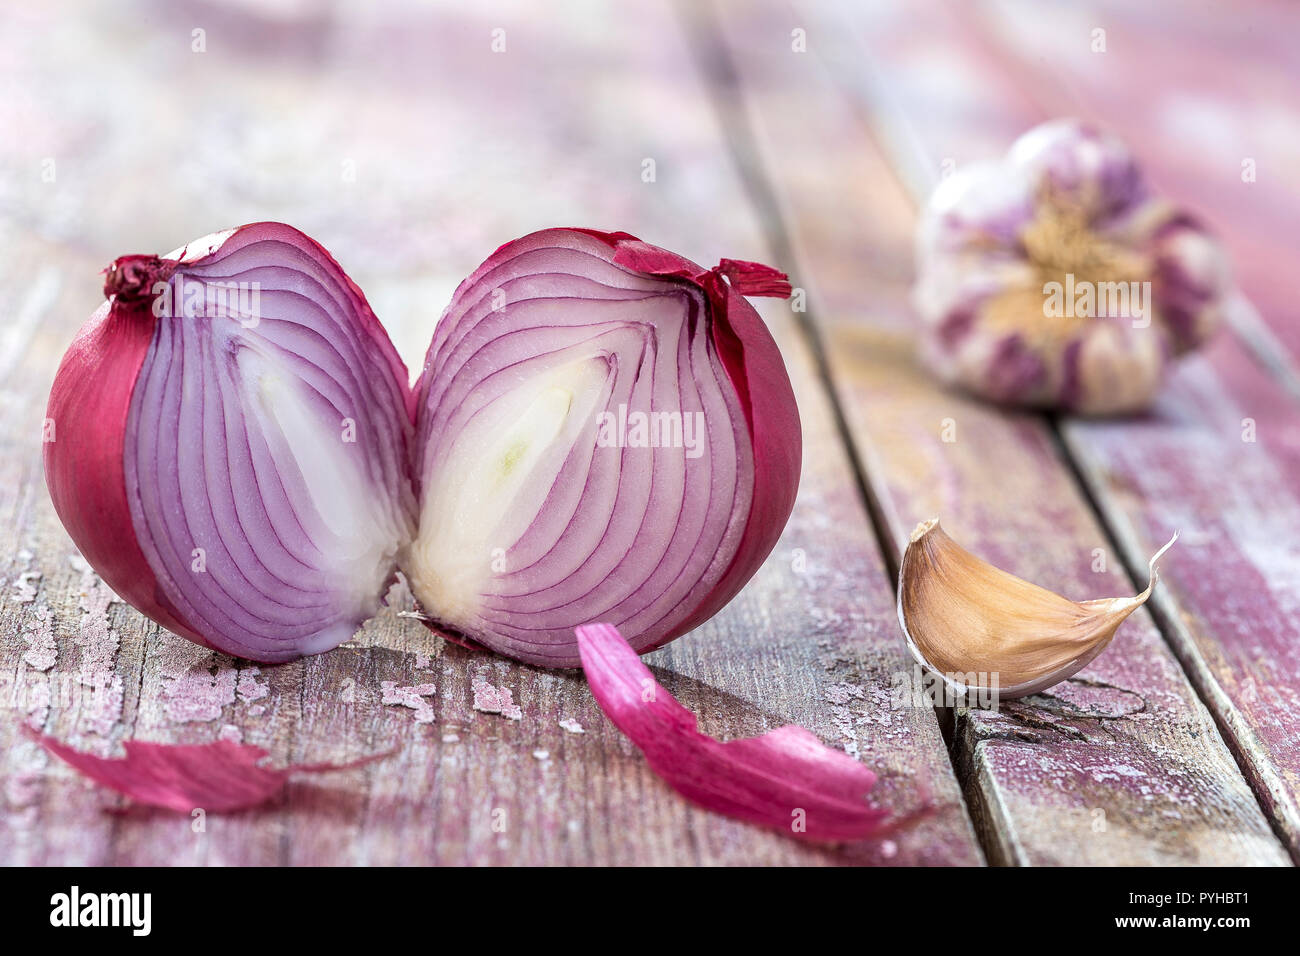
x: 962, y: 616
x: 1068, y: 206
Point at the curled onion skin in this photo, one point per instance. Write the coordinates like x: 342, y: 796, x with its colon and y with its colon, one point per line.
x: 195, y: 459
x: 540, y: 510
x: 220, y: 777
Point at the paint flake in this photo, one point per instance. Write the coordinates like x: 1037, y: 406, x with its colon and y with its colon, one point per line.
x: 843, y: 693
x: 97, y: 645
x: 197, y: 683
x: 232, y: 734
x: 37, y: 704
x: 42, y: 651
x: 249, y: 688
x: 495, y: 700
x: 572, y: 726
x: 412, y: 697
x: 24, y: 589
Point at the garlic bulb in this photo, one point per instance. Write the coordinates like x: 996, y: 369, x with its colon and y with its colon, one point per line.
x: 1055, y: 279
x: 976, y: 625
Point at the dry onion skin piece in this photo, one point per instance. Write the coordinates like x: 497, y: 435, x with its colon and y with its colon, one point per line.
x: 1067, y: 206
x: 230, y: 440
x: 220, y: 777
x: 785, y: 779
x: 962, y: 616
x: 605, y: 431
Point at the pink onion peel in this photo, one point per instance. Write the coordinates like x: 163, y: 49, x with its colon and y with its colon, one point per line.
x: 785, y: 779
x: 219, y: 777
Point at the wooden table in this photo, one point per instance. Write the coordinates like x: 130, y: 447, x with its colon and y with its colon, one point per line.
x: 395, y: 135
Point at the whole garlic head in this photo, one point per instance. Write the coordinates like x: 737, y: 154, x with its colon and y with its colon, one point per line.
x: 1055, y: 279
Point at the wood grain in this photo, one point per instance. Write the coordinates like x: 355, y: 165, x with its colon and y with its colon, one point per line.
x: 1122, y: 764
x: 399, y: 139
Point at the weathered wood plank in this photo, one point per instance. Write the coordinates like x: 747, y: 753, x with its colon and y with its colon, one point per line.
x: 400, y: 139
x: 1122, y: 764
x: 1220, y: 453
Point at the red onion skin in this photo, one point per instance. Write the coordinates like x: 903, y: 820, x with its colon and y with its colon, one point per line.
x: 758, y: 374
x: 220, y: 777
x: 84, y: 465
x: 766, y: 780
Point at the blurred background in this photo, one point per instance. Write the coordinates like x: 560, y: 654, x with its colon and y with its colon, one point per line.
x: 412, y: 138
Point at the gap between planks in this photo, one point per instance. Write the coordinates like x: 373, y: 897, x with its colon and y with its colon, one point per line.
x: 719, y: 72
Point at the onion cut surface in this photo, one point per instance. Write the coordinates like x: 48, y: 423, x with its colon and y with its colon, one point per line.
x: 605, y: 431
x: 231, y: 444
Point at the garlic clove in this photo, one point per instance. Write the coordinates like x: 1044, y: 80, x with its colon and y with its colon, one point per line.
x: 976, y: 625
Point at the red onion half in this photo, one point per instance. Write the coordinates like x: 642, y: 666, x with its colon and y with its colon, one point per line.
x: 605, y: 432
x: 602, y: 431
x: 230, y: 448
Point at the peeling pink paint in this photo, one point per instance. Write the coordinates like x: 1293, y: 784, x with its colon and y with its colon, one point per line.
x: 412, y: 697
x: 248, y: 687
x: 191, y: 691
x: 572, y: 726
x: 97, y: 645
x: 842, y: 693
x: 37, y: 704
x: 24, y: 591
x: 495, y: 700
x: 42, y: 652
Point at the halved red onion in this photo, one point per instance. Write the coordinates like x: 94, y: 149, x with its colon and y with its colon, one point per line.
x: 231, y: 444
x: 605, y: 431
